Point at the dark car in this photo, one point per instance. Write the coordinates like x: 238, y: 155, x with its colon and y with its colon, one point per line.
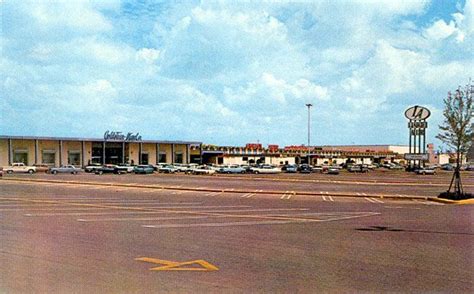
x: 305, y: 168
x: 447, y: 166
x: 144, y: 169
x: 109, y: 169
x: 290, y: 168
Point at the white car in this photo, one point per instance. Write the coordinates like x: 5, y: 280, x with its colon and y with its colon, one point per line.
x: 265, y: 169
x: 20, y: 167
x: 203, y: 170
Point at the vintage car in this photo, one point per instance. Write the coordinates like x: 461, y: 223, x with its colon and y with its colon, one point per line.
x: 203, y: 170
x: 92, y: 168
x: 359, y: 168
x: 265, y: 169
x: 42, y: 168
x: 290, y: 168
x: 20, y: 167
x: 305, y: 169
x: 109, y: 169
x: 231, y: 169
x: 333, y: 170
x: 167, y: 169
x: 425, y: 171
x: 143, y: 169
x: 126, y: 167
x: 69, y: 169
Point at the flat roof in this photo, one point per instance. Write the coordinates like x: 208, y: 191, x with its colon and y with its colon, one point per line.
x: 96, y: 140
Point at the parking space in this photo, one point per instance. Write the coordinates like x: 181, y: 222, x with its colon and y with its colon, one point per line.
x: 207, y: 234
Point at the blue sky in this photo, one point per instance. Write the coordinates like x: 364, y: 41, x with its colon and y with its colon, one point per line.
x: 231, y: 72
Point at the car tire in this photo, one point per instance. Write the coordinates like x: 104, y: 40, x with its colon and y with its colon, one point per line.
x: 9, y: 171
x: 31, y: 171
x: 100, y: 172
x: 54, y: 172
x: 256, y: 172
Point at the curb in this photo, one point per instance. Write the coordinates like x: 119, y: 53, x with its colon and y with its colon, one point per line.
x: 448, y: 201
x: 271, y: 192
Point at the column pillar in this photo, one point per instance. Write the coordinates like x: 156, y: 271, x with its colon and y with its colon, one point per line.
x: 10, y: 152
x: 123, y: 152
x: 172, y: 153
x: 187, y: 154
x: 140, y: 150
x: 36, y: 151
x: 103, y: 152
x: 157, y: 153
x: 200, y: 153
x: 60, y: 152
x: 83, y: 153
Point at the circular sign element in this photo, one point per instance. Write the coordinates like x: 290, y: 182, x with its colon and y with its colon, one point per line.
x: 417, y: 113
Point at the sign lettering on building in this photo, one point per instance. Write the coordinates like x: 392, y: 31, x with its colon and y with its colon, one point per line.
x: 119, y: 136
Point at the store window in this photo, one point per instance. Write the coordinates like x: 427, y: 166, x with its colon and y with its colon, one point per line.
x: 74, y: 157
x: 162, y: 157
x: 49, y: 157
x: 178, y: 157
x: 20, y: 156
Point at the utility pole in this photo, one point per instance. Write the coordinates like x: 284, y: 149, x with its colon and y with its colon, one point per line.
x: 309, y: 125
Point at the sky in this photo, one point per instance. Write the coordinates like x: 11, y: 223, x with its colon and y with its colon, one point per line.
x: 231, y: 72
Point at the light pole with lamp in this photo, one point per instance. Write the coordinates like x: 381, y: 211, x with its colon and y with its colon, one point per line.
x: 309, y: 105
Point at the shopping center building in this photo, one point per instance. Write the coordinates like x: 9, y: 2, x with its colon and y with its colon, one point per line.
x: 113, y: 148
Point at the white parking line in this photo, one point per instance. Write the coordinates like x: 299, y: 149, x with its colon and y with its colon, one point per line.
x: 330, y: 198
x: 247, y: 195
x: 164, y: 212
x: 229, y: 224
x: 141, y: 219
x: 427, y: 202
x: 369, y: 199
x: 287, y: 195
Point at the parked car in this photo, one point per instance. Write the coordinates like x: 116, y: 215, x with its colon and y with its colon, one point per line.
x: 41, y: 168
x: 167, y: 169
x: 92, y: 168
x: 265, y: 169
x: 1, y: 171
x: 109, y: 169
x: 190, y: 167
x: 231, y: 169
x: 126, y: 167
x: 470, y: 167
x: 305, y: 168
x: 180, y: 167
x: 143, y: 169
x: 203, y: 170
x: 20, y: 167
x: 425, y: 171
x: 317, y: 169
x: 359, y: 168
x: 291, y: 168
x: 447, y: 166
x: 69, y: 169
x: 333, y: 171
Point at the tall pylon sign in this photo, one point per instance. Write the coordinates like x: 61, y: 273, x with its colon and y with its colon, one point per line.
x: 417, y: 125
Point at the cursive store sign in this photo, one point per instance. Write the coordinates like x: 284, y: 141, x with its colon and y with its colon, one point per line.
x: 119, y: 136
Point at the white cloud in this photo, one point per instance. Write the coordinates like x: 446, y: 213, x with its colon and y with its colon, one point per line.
x: 149, y: 55
x: 441, y: 30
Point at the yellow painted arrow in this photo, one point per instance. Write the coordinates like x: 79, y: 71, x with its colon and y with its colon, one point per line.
x: 177, y: 266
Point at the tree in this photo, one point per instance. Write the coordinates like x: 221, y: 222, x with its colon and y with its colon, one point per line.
x: 457, y: 132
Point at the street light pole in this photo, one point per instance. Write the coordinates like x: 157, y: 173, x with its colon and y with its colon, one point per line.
x: 309, y: 125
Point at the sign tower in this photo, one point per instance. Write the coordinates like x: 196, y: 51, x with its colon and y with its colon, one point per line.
x: 417, y: 126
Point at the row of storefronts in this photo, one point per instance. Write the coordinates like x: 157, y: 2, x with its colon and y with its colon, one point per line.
x: 56, y: 151
x: 117, y: 148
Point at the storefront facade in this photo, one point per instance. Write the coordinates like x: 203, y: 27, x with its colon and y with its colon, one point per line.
x: 55, y: 151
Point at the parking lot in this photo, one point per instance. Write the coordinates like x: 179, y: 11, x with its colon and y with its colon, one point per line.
x: 233, y: 233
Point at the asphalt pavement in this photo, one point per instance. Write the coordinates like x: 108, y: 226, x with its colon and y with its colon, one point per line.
x: 66, y: 237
